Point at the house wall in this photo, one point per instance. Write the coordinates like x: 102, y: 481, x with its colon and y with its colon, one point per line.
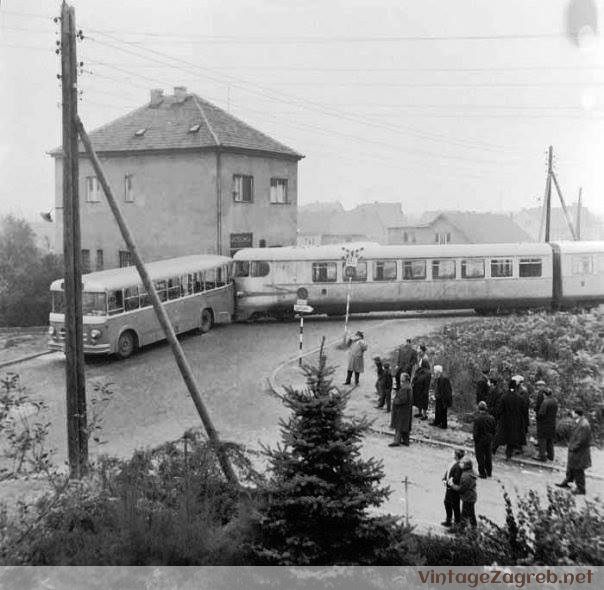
x: 174, y: 212
x: 425, y: 234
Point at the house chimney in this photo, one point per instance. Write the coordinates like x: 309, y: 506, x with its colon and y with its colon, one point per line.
x: 180, y: 93
x: 157, y: 96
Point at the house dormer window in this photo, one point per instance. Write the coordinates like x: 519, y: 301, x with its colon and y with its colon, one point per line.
x: 194, y: 128
x: 140, y: 132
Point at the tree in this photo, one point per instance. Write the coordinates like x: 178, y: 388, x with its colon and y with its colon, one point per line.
x: 25, y: 275
x: 315, y: 506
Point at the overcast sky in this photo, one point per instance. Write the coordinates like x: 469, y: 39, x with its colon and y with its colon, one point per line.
x: 381, y: 109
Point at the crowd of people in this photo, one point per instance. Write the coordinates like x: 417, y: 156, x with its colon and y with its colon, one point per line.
x: 503, y: 406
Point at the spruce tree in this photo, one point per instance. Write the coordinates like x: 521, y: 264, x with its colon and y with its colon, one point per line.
x: 315, y: 508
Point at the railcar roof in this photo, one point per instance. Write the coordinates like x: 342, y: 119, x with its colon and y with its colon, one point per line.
x: 581, y: 247
x: 372, y: 251
x: 117, y: 278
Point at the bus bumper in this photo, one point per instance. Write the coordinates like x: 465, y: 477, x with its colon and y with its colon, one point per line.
x: 88, y: 348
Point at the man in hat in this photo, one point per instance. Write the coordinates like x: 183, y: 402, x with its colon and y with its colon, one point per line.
x: 484, y: 432
x: 402, y: 412
x: 443, y: 397
x: 579, y: 455
x: 546, y: 426
x: 540, y: 386
x: 483, y: 387
x: 405, y: 361
x: 509, y: 421
x: 355, y: 358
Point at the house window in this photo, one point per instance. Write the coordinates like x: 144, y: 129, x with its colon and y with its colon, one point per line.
x: 93, y: 189
x: 85, y: 261
x: 278, y: 190
x: 243, y: 188
x: 414, y: 270
x: 501, y: 267
x: 124, y: 258
x: 530, y: 267
x: 129, y: 188
x: 442, y: 237
x: 405, y: 237
x: 324, y: 272
x: 384, y: 270
x: 443, y: 269
x: 413, y: 239
x: 99, y: 260
x: 239, y: 241
x: 472, y: 268
x: 359, y: 273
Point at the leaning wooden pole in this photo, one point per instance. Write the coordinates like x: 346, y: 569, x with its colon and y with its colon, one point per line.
x: 564, y: 209
x: 164, y: 321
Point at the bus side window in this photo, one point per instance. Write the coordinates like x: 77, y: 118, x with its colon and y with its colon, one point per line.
x: 174, y: 288
x: 143, y: 297
x: 131, y: 298
x: 160, y: 287
x: 115, y: 302
x: 219, y: 277
x: 210, y: 279
x: 242, y: 268
x: 190, y: 284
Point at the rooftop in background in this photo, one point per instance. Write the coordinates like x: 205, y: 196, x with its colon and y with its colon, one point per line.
x: 182, y: 121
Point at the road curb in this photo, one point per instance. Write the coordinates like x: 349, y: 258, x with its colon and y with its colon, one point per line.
x: 277, y: 390
x: 22, y: 359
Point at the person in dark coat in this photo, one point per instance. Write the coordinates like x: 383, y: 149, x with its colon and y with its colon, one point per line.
x: 540, y: 385
x: 495, y: 394
x: 579, y: 455
x: 421, y: 389
x: 406, y: 359
x: 483, y: 387
x: 467, y: 493
x: 386, y: 386
x: 484, y: 433
x: 523, y: 396
x: 546, y: 426
x: 443, y: 397
x: 379, y: 370
x: 402, y: 412
x: 355, y: 358
x: 510, y: 423
x: 451, y: 478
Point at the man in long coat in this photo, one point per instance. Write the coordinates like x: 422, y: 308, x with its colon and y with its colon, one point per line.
x: 579, y: 455
x: 405, y: 361
x: 483, y: 387
x: 355, y: 358
x: 523, y: 396
x: 402, y: 412
x: 484, y: 432
x: 421, y: 389
x: 443, y: 397
x: 509, y: 421
x: 546, y: 426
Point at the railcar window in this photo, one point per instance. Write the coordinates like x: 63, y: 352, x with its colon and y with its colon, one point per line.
x: 259, y: 268
x: 174, y: 288
x: 360, y: 272
x: 131, y: 298
x: 242, y: 268
x: 443, y: 269
x: 530, y: 267
x: 161, y: 288
x: 472, y: 268
x: 414, y: 270
x: 324, y: 272
x: 384, y: 270
x: 501, y: 267
x: 582, y: 265
x: 115, y: 302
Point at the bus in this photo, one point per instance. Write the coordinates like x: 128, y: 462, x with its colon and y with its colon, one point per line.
x: 197, y: 292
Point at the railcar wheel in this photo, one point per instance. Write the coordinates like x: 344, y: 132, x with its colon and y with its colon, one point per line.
x: 207, y: 321
x: 126, y: 344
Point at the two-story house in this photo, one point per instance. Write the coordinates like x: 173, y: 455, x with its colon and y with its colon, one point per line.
x: 190, y: 178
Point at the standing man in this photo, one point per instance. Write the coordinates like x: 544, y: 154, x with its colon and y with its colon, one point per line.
x: 452, y: 478
x: 483, y: 387
x: 402, y: 412
x: 421, y: 390
x: 423, y: 360
x: 523, y: 397
x: 405, y: 361
x: 443, y: 397
x: 510, y: 423
x: 540, y: 385
x: 467, y: 493
x: 546, y: 426
x: 484, y: 431
x: 355, y: 358
x: 579, y: 455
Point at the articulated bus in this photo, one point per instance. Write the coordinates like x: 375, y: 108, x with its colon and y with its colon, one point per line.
x: 118, y: 318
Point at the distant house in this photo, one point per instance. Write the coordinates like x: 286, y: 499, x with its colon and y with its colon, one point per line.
x: 458, y: 227
x: 330, y: 223
x: 190, y: 178
x: 530, y: 220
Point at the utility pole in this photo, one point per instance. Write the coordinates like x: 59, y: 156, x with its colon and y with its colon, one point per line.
x: 548, y: 193
x: 77, y: 436
x: 578, y: 220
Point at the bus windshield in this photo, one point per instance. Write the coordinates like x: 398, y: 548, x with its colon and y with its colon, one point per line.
x: 92, y: 303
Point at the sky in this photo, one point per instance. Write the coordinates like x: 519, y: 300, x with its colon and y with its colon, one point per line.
x: 436, y: 104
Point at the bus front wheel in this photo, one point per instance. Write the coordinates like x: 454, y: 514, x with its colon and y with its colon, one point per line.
x: 126, y: 344
x: 207, y: 321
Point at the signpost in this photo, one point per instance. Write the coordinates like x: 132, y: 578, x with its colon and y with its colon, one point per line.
x: 301, y: 307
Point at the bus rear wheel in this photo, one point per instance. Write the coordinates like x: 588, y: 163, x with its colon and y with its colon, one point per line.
x: 207, y: 321
x: 126, y: 344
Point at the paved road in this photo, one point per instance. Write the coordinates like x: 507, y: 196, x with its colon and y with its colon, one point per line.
x: 231, y: 363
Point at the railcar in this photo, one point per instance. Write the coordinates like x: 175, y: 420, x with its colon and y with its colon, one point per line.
x: 486, y: 277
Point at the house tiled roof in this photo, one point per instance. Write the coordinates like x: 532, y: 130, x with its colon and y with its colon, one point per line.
x: 167, y: 126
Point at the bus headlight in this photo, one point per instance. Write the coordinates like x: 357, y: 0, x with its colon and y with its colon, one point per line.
x: 95, y: 334
x: 51, y: 331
